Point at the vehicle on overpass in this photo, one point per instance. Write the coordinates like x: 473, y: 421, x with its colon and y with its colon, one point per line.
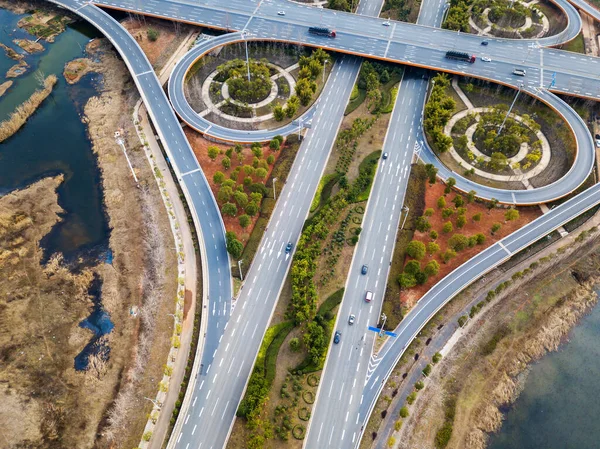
x: 519, y: 72
x: 460, y: 56
x: 322, y: 31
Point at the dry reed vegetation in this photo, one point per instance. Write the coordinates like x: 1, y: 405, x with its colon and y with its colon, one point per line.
x: 18, y: 118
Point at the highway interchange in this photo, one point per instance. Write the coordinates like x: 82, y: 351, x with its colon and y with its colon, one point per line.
x: 228, y: 352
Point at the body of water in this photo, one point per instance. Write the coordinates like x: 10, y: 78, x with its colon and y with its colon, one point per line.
x: 54, y: 140
x: 559, y: 407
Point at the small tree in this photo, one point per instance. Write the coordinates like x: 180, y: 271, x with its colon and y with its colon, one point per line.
x: 404, y: 412
x: 480, y: 238
x: 406, y: 280
x: 432, y: 268
x: 261, y: 173
x: 511, y: 214
x: 213, y: 152
x: 427, y: 370
x: 240, y: 198
x: 441, y: 202
x: 275, y: 145
x: 416, y: 249
x: 226, y: 162
x: 432, y: 248
x: 244, y: 221
x: 458, y: 242
x: 450, y: 182
x: 477, y: 217
x: 419, y: 385
x: 447, y: 213
x: 496, y: 227
x: 252, y: 208
x: 295, y: 344
x: 147, y: 436
x: 234, y: 246
x: 229, y: 209
x: 447, y: 228
x: 448, y: 255
x: 462, y: 320
x: 429, y: 212
x: 471, y: 196
x: 278, y: 112
x: 436, y: 357
x: 412, y: 267
x: 461, y: 220
x: 411, y: 398
x: 218, y: 177
x: 433, y: 235
x: 458, y: 201
x: 224, y: 194
x: 491, y: 204
x: 270, y: 159
x: 152, y: 34
x: 431, y: 172
x: 422, y: 224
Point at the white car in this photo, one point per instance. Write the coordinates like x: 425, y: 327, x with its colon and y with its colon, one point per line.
x: 351, y: 319
x: 486, y: 59
x: 281, y: 13
x: 386, y: 23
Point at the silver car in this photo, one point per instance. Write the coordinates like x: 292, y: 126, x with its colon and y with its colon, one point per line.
x: 351, y: 319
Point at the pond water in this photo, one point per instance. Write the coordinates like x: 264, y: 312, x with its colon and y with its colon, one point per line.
x: 53, y: 141
x: 559, y: 407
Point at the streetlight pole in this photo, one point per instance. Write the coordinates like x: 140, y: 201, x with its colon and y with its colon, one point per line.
x: 156, y: 403
x: 274, y: 193
x: 299, y: 127
x: 324, y: 65
x: 384, y: 318
x: 247, y: 61
x: 509, y: 110
x: 405, y: 209
x: 240, y: 267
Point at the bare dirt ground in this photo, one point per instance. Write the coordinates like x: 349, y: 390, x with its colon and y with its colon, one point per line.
x: 170, y: 36
x: 487, y: 367
x: 432, y: 193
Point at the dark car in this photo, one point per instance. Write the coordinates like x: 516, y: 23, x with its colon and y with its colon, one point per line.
x: 384, y: 156
x: 336, y: 337
x: 364, y: 269
x: 484, y: 42
x: 288, y: 248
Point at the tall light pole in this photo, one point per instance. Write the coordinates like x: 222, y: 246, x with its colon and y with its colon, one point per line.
x: 384, y: 318
x: 509, y: 110
x: 299, y: 127
x: 324, y: 65
x: 247, y: 61
x: 240, y: 267
x: 274, y: 193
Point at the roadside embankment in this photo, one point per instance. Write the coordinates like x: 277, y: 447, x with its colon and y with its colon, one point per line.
x: 18, y: 118
x: 464, y: 397
x: 143, y: 275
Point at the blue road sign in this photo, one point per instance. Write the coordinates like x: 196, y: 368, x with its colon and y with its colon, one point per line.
x: 374, y: 329
x: 390, y: 334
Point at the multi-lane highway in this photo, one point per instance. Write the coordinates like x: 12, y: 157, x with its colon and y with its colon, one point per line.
x: 427, y: 49
x: 219, y: 387
x: 351, y: 362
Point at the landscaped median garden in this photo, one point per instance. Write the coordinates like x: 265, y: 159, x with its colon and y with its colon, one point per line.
x: 282, y: 388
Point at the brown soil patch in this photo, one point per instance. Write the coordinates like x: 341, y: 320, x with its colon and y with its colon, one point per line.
x: 77, y: 69
x: 200, y: 145
x: 488, y: 218
x: 29, y: 46
x: 170, y: 36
